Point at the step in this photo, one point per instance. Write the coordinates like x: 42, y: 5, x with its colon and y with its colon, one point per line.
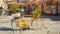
x: 4, y: 17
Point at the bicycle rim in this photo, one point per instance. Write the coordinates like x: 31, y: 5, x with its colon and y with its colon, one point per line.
x: 37, y: 24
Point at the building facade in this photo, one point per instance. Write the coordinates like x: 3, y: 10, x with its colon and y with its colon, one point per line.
x: 29, y: 5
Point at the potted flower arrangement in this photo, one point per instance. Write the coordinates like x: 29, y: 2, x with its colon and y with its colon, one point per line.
x: 15, y: 10
x: 36, y: 13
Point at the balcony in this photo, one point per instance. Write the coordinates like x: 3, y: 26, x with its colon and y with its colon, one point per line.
x: 18, y: 2
x: 9, y: 0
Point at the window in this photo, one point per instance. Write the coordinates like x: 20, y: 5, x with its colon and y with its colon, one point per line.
x: 50, y: 3
x: 18, y: 1
x: 22, y: 10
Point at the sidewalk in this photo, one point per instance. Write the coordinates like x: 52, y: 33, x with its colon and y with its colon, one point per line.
x: 5, y: 28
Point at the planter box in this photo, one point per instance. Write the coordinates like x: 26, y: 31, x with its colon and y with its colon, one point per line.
x: 16, y: 15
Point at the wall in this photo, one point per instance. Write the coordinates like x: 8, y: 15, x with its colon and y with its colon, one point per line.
x: 1, y: 2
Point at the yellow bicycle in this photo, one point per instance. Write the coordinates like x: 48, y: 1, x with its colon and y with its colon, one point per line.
x: 33, y: 22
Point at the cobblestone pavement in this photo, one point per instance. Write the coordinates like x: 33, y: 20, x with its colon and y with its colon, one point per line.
x: 52, y: 23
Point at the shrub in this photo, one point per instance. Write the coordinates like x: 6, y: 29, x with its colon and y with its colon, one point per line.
x: 15, y: 8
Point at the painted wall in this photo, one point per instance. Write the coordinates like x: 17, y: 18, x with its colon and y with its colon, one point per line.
x: 1, y: 2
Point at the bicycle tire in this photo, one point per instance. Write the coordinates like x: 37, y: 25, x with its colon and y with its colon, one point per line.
x: 36, y: 24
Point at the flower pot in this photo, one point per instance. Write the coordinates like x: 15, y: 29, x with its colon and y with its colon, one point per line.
x: 16, y: 15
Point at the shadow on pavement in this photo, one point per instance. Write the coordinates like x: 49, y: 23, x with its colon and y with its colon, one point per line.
x: 10, y: 29
x: 54, y: 18
x: 6, y: 29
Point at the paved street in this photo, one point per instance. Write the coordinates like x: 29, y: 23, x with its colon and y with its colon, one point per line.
x: 52, y: 23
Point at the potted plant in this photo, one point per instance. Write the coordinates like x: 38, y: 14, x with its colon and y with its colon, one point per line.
x: 15, y: 10
x: 36, y: 13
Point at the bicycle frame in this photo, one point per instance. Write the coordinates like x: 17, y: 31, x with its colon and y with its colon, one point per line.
x: 25, y: 24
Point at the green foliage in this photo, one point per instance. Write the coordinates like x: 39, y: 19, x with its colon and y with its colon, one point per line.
x: 15, y: 9
x: 37, y: 11
x: 18, y: 10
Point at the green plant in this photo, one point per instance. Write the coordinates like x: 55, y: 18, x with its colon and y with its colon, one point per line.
x: 36, y: 13
x: 15, y: 8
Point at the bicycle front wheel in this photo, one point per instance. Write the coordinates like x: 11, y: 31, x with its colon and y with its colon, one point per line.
x: 36, y: 24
